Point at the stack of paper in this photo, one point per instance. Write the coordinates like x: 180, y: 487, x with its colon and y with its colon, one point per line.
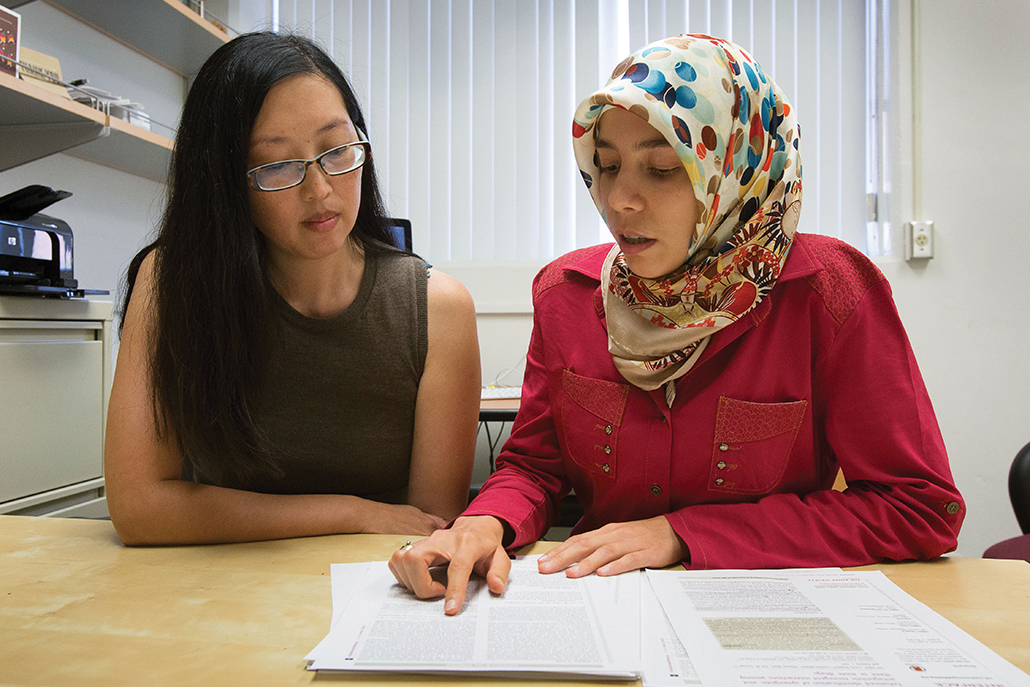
x: 667, y: 628
x: 542, y: 624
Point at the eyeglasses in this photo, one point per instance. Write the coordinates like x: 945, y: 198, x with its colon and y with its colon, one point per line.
x: 276, y: 176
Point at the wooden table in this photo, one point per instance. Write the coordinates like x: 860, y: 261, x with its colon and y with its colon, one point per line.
x: 499, y: 409
x: 78, y: 608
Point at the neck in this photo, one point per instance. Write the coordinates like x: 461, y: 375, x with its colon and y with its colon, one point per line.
x: 319, y: 288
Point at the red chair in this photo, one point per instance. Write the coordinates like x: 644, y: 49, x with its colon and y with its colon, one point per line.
x: 1019, y: 493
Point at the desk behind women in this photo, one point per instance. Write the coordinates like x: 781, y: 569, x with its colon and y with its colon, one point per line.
x: 76, y: 607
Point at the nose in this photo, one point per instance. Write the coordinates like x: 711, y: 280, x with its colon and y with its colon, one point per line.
x: 316, y: 182
x: 624, y: 192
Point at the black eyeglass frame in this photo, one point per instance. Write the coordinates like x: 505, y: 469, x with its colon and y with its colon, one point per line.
x: 252, y: 181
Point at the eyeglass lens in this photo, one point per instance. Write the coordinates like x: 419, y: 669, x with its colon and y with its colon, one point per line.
x: 335, y: 161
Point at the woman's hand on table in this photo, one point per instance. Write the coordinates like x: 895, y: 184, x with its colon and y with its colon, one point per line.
x: 472, y: 544
x: 617, y: 548
x: 386, y: 518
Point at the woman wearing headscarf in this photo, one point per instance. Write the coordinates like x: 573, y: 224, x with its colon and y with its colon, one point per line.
x: 700, y: 383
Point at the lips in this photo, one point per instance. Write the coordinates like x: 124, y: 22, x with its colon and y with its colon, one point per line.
x: 324, y: 221
x: 630, y: 244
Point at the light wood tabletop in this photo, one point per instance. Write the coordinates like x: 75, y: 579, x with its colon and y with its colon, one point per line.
x: 78, y: 608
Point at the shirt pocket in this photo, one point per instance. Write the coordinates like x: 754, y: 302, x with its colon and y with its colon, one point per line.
x: 589, y: 417
x: 753, y: 443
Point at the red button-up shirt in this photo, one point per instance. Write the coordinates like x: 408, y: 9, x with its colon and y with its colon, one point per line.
x: 819, y: 376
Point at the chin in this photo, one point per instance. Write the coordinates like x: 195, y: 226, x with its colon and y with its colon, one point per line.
x: 644, y: 269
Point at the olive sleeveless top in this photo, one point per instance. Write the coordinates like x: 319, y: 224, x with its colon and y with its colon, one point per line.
x: 338, y: 404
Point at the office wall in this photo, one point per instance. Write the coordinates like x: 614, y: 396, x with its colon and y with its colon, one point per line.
x: 966, y: 310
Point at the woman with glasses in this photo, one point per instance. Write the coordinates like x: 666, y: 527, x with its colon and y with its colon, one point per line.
x: 700, y: 382
x: 284, y: 370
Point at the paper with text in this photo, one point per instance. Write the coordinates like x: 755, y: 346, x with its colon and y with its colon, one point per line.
x: 542, y: 623
x: 773, y: 628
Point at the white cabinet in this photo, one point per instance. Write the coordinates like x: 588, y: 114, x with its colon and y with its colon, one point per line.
x: 55, y: 380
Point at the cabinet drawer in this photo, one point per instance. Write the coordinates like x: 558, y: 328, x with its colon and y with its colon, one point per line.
x: 51, y: 414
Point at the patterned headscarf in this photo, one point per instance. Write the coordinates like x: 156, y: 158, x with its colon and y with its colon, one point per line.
x: 737, y: 137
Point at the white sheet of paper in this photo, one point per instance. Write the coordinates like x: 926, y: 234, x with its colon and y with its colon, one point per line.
x: 542, y: 623
x: 345, y: 580
x: 805, y: 628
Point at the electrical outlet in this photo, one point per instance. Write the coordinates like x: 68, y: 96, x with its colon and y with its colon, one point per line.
x: 919, y: 240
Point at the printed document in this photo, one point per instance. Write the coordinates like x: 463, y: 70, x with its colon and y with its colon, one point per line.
x: 773, y: 628
x: 670, y: 628
x: 541, y: 624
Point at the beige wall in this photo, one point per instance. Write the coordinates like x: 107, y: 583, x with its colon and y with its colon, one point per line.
x: 967, y: 310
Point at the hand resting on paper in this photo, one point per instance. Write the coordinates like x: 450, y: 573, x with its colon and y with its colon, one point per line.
x: 617, y: 548
x: 473, y: 544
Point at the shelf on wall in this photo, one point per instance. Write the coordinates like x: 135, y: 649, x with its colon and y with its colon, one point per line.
x: 130, y: 149
x: 164, y: 30
x: 35, y: 123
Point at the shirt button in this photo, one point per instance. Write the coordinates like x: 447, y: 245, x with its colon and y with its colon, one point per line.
x: 719, y: 481
x: 724, y: 446
x: 608, y: 429
x: 663, y: 418
x: 606, y: 467
x: 952, y: 507
x: 607, y: 450
x: 721, y: 465
x: 655, y: 489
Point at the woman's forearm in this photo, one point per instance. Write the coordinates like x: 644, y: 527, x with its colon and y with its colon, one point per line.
x: 178, y: 512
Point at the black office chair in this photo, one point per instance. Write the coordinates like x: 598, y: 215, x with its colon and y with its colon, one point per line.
x: 1019, y: 493
x: 1019, y: 488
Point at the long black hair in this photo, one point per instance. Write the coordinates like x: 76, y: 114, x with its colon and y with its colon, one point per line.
x: 208, y: 343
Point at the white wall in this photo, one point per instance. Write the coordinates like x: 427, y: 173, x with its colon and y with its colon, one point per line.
x: 966, y: 311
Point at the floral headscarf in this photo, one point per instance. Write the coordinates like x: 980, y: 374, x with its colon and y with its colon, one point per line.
x: 737, y: 137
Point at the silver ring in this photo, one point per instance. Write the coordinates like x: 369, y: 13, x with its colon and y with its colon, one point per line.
x: 407, y: 545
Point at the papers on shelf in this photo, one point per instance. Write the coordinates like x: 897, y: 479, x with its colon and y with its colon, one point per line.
x: 42, y: 70
x: 820, y: 627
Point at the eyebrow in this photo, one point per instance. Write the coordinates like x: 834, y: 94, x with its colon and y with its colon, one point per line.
x: 648, y: 144
x: 273, y: 140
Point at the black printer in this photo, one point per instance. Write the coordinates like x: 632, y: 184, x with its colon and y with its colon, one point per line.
x: 36, y: 250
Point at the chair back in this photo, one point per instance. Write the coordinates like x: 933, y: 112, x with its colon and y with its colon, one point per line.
x: 1019, y: 488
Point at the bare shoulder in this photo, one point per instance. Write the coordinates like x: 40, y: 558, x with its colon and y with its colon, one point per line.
x: 447, y: 296
x: 452, y: 316
x: 141, y: 302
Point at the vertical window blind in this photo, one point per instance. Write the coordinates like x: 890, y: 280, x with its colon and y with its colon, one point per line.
x: 470, y: 104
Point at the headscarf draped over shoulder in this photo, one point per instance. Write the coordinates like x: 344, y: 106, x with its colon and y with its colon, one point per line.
x: 737, y: 137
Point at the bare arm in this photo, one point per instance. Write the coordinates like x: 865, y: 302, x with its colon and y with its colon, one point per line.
x: 150, y: 503
x: 447, y: 408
